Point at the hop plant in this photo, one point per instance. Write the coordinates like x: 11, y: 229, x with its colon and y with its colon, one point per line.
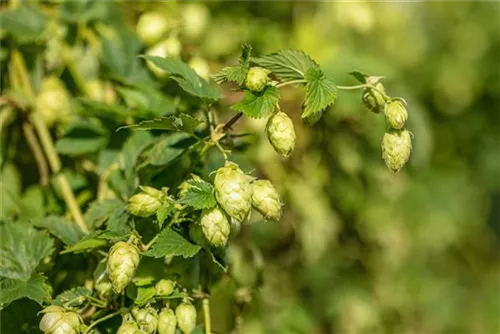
x: 123, y: 260
x: 216, y: 227
x: 56, y: 320
x: 146, y: 318
x: 281, y: 133
x: 233, y: 191
x: 266, y: 200
x: 151, y: 27
x: 396, y: 149
x: 396, y: 114
x: 373, y: 99
x: 164, y: 287
x: 186, y: 317
x: 146, y: 203
x: 52, y: 104
x: 167, y: 321
x: 256, y: 79
x: 128, y: 327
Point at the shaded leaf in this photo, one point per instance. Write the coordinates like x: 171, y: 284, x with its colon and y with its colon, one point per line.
x: 60, y: 227
x: 140, y: 294
x: 25, y: 23
x: 199, y: 195
x: 361, y: 77
x: 321, y: 92
x: 151, y: 102
x: 100, y: 211
x: 287, y: 64
x: 164, y: 212
x: 34, y: 288
x: 72, y: 298
x: 257, y: 105
x: 171, y: 243
x: 165, y: 150
x: 82, y: 138
x: 182, y: 122
x: 94, y: 240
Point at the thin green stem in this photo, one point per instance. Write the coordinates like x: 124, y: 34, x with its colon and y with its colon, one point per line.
x: 98, y: 321
x: 206, y: 316
x: 34, y: 145
x: 100, y: 303
x: 151, y: 242
x: 291, y: 82
x: 221, y: 149
x: 353, y: 87
x: 5, y: 116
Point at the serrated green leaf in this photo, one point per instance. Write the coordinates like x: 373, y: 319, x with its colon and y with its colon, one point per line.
x: 60, y: 227
x: 164, y: 212
x: 150, y: 101
x: 182, y: 122
x: 257, y: 105
x: 72, y: 298
x: 82, y: 138
x: 171, y: 243
x: 113, y: 112
x: 100, y: 211
x: 22, y: 248
x: 186, y: 77
x: 165, y: 150
x: 33, y: 287
x: 287, y: 64
x: 321, y: 92
x: 140, y: 294
x: 25, y: 23
x: 199, y: 195
x: 236, y: 73
x: 360, y: 76
x: 94, y: 240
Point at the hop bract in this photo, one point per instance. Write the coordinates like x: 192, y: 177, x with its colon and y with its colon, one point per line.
x: 216, y: 227
x: 396, y: 149
x: 256, y: 79
x: 146, y: 203
x: 123, y: 260
x: 186, y: 317
x: 151, y: 27
x: 281, y: 133
x: 164, y: 287
x: 373, y: 100
x: 56, y: 320
x: 146, y: 318
x: 266, y: 200
x: 167, y: 321
x: 396, y: 114
x: 128, y: 327
x: 232, y: 191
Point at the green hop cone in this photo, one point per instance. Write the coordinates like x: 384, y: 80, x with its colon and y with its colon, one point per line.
x: 396, y: 114
x: 256, y: 79
x: 396, y: 149
x: 186, y: 317
x: 146, y: 318
x: 167, y: 321
x: 216, y: 226
x: 56, y: 320
x: 146, y: 203
x: 123, y: 260
x: 281, y: 133
x: 233, y: 191
x: 373, y: 100
x: 164, y: 287
x: 266, y: 200
x: 128, y: 327
x: 151, y: 27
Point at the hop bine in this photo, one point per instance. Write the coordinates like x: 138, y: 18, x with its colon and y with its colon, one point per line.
x: 256, y: 79
x: 56, y: 320
x: 167, y: 321
x: 146, y: 318
x: 186, y: 317
x: 396, y: 114
x: 232, y: 191
x: 123, y: 260
x: 266, y: 200
x: 281, y: 133
x: 396, y: 149
x: 216, y: 227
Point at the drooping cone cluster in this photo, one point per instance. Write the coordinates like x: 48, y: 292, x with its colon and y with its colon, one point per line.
x: 123, y: 259
x: 256, y: 79
x: 281, y: 133
x: 167, y: 321
x: 373, y: 99
x: 396, y: 114
x: 396, y: 148
x: 216, y: 227
x: 164, y: 287
x: 186, y: 317
x: 147, y: 202
x: 233, y: 191
x: 56, y: 320
x: 266, y: 199
x: 146, y: 318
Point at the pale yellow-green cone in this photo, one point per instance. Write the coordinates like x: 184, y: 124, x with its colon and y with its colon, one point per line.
x: 373, y: 100
x: 123, y: 260
x: 186, y: 317
x: 216, y: 226
x: 396, y: 149
x: 266, y: 200
x: 52, y: 104
x: 147, y: 202
x: 164, y: 287
x: 57, y: 320
x: 128, y: 327
x: 233, y: 191
x: 256, y: 79
x: 281, y: 133
x: 151, y: 27
x: 146, y: 318
x: 167, y: 321
x: 396, y: 114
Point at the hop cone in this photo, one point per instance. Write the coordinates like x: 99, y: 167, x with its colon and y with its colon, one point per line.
x: 164, y: 287
x: 128, y: 327
x: 373, y: 100
x: 123, y: 260
x: 216, y: 227
x: 232, y: 191
x: 396, y: 114
x: 281, y: 134
x: 57, y: 321
x: 256, y: 79
x: 167, y: 322
x: 396, y: 149
x: 186, y: 317
x: 151, y: 27
x: 146, y: 318
x: 266, y: 199
x: 53, y: 102
x: 146, y: 203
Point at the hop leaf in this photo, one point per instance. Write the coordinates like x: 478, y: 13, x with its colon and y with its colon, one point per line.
x: 186, y: 317
x: 257, y: 105
x: 281, y: 133
x: 167, y: 321
x: 320, y: 92
x: 123, y: 260
x: 266, y: 200
x: 171, y: 243
x: 396, y: 149
x: 287, y: 64
x: 236, y: 73
x: 232, y: 191
x: 198, y: 194
x: 216, y: 227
